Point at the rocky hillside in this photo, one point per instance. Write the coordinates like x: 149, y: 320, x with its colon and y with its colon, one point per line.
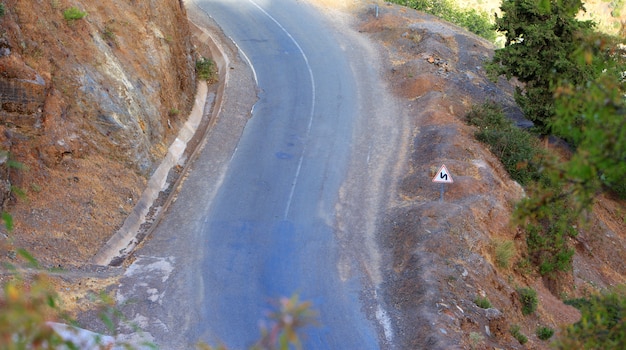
x: 444, y: 287
x: 91, y: 94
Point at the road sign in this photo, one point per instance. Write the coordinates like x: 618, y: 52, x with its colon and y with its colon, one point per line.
x: 443, y: 176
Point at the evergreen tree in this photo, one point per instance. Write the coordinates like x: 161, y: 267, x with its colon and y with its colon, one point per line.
x: 541, y: 38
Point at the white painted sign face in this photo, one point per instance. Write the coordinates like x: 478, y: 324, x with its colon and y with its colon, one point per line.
x: 443, y: 176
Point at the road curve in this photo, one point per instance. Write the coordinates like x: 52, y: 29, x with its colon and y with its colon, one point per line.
x: 234, y: 242
x: 270, y: 229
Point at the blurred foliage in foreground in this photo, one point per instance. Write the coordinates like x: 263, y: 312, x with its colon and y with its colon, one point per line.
x: 25, y: 308
x: 32, y: 318
x: 602, y: 324
x: 291, y: 316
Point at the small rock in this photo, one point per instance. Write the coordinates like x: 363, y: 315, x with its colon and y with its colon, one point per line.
x: 5, y: 47
x: 492, y: 313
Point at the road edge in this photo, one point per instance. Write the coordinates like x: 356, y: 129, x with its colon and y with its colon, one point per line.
x: 148, y: 211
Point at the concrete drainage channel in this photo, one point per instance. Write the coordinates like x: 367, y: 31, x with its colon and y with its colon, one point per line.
x: 161, y: 187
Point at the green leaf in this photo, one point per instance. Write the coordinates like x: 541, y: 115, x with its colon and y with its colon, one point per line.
x: 108, y: 322
x: 18, y: 191
x: 8, y: 220
x: 15, y: 164
x: 544, y: 6
x: 29, y: 258
x: 50, y: 301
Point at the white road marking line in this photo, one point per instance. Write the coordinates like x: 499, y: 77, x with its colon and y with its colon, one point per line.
x: 311, y: 113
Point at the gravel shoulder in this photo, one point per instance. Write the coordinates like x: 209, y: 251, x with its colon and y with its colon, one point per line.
x: 380, y: 136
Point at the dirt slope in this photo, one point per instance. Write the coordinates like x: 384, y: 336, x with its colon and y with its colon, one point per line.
x: 440, y: 254
x: 88, y: 107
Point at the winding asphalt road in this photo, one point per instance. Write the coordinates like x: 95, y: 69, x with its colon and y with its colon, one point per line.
x: 270, y: 228
x: 216, y: 262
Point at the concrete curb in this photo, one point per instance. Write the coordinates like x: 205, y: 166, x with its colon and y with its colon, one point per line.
x: 147, y: 212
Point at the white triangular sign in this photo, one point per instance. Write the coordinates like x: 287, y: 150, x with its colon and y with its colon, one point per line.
x: 443, y: 176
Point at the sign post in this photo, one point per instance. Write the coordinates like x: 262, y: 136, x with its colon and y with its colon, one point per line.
x: 443, y: 177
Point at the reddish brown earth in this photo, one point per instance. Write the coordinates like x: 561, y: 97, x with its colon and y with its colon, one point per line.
x: 88, y: 109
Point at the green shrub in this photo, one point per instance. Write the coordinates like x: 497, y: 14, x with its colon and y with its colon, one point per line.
x: 517, y: 334
x: 2, y: 9
x: 544, y: 333
x: 205, y: 69
x: 477, y: 22
x: 548, y: 245
x: 504, y: 250
x: 552, y: 218
x: 482, y: 302
x: 173, y: 112
x: 73, y: 13
x: 488, y: 115
x: 528, y: 298
x: 517, y: 149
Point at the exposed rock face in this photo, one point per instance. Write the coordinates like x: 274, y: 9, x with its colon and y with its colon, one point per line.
x: 118, y: 71
x: 96, y: 100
